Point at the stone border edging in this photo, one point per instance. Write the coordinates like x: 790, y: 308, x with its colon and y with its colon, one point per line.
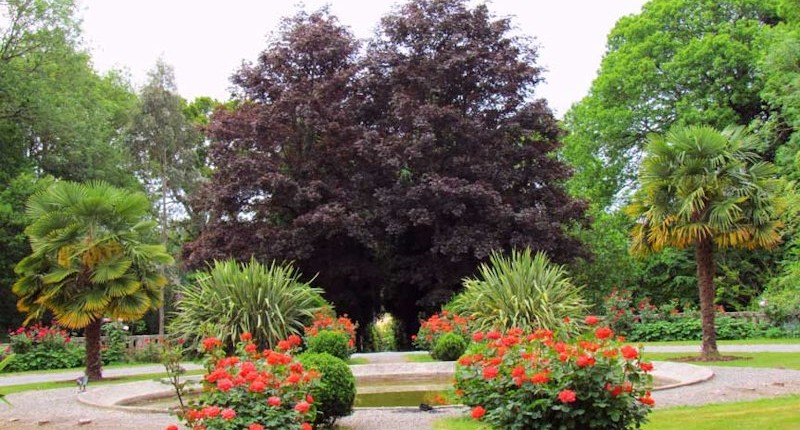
x: 115, y: 396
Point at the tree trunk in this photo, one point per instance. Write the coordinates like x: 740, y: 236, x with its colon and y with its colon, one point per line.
x: 704, y: 256
x: 94, y: 362
x: 163, y: 237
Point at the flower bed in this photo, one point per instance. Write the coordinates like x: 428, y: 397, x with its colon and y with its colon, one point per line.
x: 517, y: 380
x: 255, y: 390
x: 436, y: 326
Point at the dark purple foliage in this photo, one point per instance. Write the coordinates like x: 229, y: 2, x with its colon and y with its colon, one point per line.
x: 392, y: 173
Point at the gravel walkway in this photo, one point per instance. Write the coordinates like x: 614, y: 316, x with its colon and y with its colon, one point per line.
x: 61, y: 409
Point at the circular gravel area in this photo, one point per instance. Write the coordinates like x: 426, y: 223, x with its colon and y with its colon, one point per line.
x: 61, y: 409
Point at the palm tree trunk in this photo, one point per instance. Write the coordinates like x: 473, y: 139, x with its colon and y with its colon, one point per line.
x: 704, y: 256
x: 94, y: 362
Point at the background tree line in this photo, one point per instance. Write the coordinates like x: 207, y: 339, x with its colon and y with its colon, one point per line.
x: 391, y: 167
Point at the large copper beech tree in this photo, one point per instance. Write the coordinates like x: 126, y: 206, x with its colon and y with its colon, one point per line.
x: 394, y: 171
x: 708, y: 189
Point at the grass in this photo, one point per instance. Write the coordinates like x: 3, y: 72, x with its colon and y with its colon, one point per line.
x: 419, y: 358
x: 775, y: 360
x: 105, y: 366
x: 357, y: 360
x: 766, y: 414
x: 11, y: 389
x: 759, y: 341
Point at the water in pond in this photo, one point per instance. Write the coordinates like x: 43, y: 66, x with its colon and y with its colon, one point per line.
x: 385, y: 392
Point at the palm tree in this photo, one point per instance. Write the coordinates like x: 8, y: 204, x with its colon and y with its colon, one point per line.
x: 92, y: 257
x: 707, y: 189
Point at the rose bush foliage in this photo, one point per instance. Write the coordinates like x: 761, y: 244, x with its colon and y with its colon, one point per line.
x: 262, y: 390
x: 517, y: 380
x: 431, y: 329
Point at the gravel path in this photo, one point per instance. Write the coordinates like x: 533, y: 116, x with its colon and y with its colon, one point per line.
x: 62, y: 410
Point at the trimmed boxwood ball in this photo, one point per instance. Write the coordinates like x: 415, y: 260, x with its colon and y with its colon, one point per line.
x: 333, y: 342
x: 449, y: 347
x: 336, y: 390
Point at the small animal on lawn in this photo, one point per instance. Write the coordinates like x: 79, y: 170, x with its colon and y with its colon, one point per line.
x: 82, y: 381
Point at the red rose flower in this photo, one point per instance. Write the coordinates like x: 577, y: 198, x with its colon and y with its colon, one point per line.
x: 306, y: 426
x: 171, y: 427
x: 211, y: 411
x: 567, y: 396
x: 585, y: 360
x: 274, y: 401
x: 478, y: 412
x: 591, y: 320
x: 255, y: 426
x: 257, y: 387
x: 629, y: 352
x: 228, y: 414
x: 224, y: 385
x: 603, y: 333
x: 489, y: 372
x: 646, y: 366
x: 302, y: 407
x: 246, y: 336
x: 647, y: 400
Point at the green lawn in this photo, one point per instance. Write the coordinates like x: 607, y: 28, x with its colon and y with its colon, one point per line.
x: 71, y: 384
x: 105, y: 366
x: 767, y: 414
x: 357, y: 360
x: 778, y: 360
x: 419, y: 358
x: 759, y: 341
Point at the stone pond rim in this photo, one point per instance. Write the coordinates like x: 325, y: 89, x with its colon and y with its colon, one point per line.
x: 118, y: 395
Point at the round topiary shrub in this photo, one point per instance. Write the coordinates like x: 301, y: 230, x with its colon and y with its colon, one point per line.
x: 333, y: 342
x: 449, y: 347
x: 336, y: 390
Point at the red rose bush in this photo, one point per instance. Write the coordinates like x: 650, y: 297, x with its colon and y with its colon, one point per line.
x: 266, y: 390
x: 517, y: 380
x: 431, y: 329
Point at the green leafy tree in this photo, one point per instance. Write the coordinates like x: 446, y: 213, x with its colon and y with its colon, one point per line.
x: 677, y: 62
x: 12, y: 235
x: 163, y: 143
x: 92, y: 256
x: 710, y: 190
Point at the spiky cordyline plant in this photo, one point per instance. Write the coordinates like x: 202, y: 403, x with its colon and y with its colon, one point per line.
x: 524, y: 291
x: 231, y: 298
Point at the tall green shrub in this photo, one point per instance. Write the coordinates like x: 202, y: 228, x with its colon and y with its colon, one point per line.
x: 233, y: 298
x: 521, y: 290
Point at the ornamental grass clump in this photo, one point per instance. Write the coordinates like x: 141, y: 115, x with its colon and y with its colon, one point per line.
x: 519, y: 380
x: 520, y: 290
x: 254, y: 389
x: 230, y: 298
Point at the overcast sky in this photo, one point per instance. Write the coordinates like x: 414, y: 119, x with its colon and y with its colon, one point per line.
x: 207, y: 40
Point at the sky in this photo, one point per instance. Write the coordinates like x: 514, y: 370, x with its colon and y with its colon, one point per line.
x: 206, y: 41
